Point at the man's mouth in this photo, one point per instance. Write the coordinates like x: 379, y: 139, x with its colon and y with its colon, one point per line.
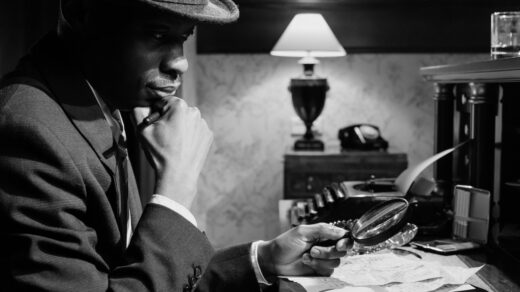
x: 163, y: 88
x: 166, y: 90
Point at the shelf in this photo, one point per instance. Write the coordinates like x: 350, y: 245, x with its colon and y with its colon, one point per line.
x: 502, y: 70
x: 515, y: 184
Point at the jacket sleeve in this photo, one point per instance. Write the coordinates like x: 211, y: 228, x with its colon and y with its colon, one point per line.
x: 163, y: 259
x: 47, y: 243
x: 230, y: 270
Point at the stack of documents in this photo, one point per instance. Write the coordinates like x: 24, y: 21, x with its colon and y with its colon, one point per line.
x: 388, y: 272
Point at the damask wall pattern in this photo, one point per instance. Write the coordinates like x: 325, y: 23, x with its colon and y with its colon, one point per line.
x: 245, y: 100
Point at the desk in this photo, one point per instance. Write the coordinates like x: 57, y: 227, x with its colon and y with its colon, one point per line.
x: 501, y: 272
x: 498, y: 274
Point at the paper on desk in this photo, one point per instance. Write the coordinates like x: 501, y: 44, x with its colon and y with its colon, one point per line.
x: 381, y: 269
x: 456, y: 275
x: 388, y: 272
x: 437, y: 285
x: 426, y: 285
x: 464, y: 287
x: 408, y: 176
x: 317, y: 284
x: 386, y: 268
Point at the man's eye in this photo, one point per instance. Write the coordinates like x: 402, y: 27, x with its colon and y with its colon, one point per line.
x: 158, y: 35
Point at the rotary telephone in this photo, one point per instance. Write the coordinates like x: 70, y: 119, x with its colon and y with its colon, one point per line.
x: 362, y: 137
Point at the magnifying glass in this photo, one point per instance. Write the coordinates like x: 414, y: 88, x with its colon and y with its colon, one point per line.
x: 383, y: 226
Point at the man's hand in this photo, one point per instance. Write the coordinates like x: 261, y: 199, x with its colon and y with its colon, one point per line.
x: 176, y: 145
x: 293, y: 254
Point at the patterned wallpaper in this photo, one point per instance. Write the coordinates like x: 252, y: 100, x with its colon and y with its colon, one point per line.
x: 244, y: 99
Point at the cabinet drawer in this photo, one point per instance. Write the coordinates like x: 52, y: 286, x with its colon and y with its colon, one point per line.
x: 305, y: 175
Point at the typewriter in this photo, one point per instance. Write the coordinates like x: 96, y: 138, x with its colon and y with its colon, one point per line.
x: 343, y: 201
x: 351, y: 199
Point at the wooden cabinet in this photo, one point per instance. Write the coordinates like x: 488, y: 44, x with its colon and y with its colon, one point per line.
x: 480, y: 102
x: 306, y: 173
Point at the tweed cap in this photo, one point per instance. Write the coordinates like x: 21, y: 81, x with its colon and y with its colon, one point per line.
x: 211, y: 11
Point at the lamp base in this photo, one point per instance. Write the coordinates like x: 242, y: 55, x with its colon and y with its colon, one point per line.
x: 309, y: 145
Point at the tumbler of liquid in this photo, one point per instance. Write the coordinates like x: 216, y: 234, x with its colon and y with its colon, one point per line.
x: 505, y: 34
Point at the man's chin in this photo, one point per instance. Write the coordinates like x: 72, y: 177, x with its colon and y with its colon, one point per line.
x: 144, y: 100
x: 129, y: 105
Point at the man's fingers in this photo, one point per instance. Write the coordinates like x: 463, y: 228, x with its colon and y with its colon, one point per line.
x: 320, y: 266
x: 344, y: 244
x: 195, y: 111
x: 324, y: 272
x: 326, y: 252
x: 320, y: 232
x: 142, y: 117
x: 161, y: 106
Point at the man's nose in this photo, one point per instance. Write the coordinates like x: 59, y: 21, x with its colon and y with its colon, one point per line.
x: 174, y: 65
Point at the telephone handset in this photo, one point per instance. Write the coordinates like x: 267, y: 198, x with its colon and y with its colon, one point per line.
x: 362, y: 137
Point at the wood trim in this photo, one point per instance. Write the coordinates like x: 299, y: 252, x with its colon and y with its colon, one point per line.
x: 502, y: 70
x: 363, y: 26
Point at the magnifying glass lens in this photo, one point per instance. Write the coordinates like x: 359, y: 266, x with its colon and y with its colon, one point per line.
x: 381, y: 222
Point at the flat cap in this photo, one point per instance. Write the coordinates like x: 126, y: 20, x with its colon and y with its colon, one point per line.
x: 211, y: 11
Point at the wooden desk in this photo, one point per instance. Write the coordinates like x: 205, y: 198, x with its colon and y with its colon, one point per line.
x: 498, y: 274
x: 479, y: 101
x: 501, y: 272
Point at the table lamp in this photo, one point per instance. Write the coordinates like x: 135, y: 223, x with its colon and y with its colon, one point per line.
x: 308, y: 36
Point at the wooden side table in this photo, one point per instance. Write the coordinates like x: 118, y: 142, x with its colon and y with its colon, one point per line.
x: 307, y: 173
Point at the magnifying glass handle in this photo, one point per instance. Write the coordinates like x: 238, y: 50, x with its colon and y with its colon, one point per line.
x: 345, y: 224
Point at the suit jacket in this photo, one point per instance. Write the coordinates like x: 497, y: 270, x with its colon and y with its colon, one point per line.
x: 58, y: 202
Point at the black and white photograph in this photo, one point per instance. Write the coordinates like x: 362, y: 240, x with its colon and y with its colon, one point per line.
x: 260, y: 145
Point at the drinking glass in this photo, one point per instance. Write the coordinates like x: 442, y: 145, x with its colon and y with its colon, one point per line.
x: 505, y: 34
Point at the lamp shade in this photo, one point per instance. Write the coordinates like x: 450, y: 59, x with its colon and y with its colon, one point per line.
x: 308, y: 35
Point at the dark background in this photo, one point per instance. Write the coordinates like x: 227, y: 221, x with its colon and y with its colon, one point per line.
x: 22, y: 23
x: 362, y: 26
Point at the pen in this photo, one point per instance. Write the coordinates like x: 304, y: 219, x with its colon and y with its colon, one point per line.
x: 400, y: 250
x: 153, y: 117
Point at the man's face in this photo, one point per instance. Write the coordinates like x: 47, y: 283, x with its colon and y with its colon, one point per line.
x: 135, y: 57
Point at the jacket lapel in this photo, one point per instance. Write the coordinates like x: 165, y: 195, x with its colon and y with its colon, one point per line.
x: 71, y: 90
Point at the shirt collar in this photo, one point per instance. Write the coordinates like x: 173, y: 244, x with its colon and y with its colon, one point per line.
x: 114, y: 119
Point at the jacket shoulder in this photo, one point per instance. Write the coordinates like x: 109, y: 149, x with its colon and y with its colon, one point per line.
x: 23, y: 98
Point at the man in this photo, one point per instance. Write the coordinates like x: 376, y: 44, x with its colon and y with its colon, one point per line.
x: 71, y: 218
